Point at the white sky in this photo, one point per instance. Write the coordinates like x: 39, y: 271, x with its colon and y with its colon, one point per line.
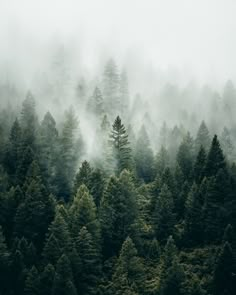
x: 199, y: 35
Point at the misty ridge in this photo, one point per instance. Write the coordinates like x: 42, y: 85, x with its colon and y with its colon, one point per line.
x: 166, y: 109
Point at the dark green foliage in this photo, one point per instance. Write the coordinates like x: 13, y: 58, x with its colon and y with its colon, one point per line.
x: 120, y: 146
x: 144, y: 159
x: 83, y: 212
x: 110, y: 228
x: 163, y: 215
x: 63, y: 279
x: 224, y: 281
x: 12, y: 156
x: 35, y: 213
x: 90, y: 264
x: 199, y: 165
x: 129, y: 275
x: 118, y: 212
x: 58, y: 240
x: 215, y: 159
x: 193, y: 218
x: 185, y: 156
x: 32, y: 282
x: 46, y: 280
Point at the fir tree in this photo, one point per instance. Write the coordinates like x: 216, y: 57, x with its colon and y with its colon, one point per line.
x: 90, y: 264
x: 120, y: 145
x: 163, y: 216
x: 215, y: 158
x: 118, y: 212
x: 224, y: 281
x: 202, y: 138
x: 129, y: 273
x: 63, y: 279
x: 144, y: 158
x: 32, y: 282
x: 46, y: 280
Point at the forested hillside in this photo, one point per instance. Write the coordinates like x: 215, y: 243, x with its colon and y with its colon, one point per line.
x: 128, y: 205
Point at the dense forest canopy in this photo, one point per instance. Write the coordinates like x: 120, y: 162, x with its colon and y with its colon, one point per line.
x: 116, y: 177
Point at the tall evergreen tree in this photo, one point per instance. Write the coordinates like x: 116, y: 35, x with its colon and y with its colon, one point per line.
x: 83, y: 213
x: 118, y: 212
x: 63, y: 280
x: 120, y: 145
x: 202, y: 138
x: 111, y: 87
x: 215, y: 158
x: 163, y: 216
x: 90, y: 264
x: 224, y: 281
x: 129, y: 276
x: 144, y: 158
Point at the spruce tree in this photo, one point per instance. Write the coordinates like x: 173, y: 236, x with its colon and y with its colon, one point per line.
x: 215, y: 158
x: 90, y: 264
x: 120, y: 146
x: 63, y: 283
x: 32, y: 282
x: 193, y: 218
x: 163, y: 217
x: 224, y: 281
x: 202, y: 138
x: 129, y: 275
x: 58, y: 240
x: 118, y: 212
x: 144, y: 159
x: 82, y: 212
x: 199, y: 165
x: 46, y: 280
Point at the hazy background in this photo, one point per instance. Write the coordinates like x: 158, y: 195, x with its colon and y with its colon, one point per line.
x: 179, y: 39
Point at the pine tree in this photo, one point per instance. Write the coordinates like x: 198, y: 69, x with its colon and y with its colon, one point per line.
x: 144, y: 158
x: 227, y: 144
x: 68, y: 155
x: 96, y: 103
x: 29, y: 122
x: 46, y: 280
x: 48, y: 140
x: 162, y: 160
x: 199, y: 165
x: 185, y: 156
x: 111, y: 87
x: 129, y: 273
x: 12, y: 157
x: 4, y: 264
x: 172, y: 284
x: 217, y: 193
x: 120, y: 146
x: 58, y: 240
x: 90, y: 264
x: 118, y: 212
x: 193, y: 218
x: 224, y: 281
x: 163, y: 217
x: 35, y: 213
x: 63, y: 279
x: 215, y: 158
x: 167, y: 258
x: 32, y: 282
x: 202, y: 138
x: 83, y: 213
x: 83, y: 176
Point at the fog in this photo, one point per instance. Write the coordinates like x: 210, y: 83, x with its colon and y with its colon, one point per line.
x: 178, y: 56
